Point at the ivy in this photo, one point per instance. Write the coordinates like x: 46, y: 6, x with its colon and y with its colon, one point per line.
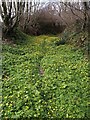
x: 45, y: 81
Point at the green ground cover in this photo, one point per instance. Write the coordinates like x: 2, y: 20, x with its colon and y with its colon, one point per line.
x: 43, y: 80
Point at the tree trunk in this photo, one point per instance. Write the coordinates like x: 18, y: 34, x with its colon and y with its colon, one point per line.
x: 85, y: 16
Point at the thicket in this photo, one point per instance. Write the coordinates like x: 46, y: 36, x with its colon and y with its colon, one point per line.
x: 43, y: 18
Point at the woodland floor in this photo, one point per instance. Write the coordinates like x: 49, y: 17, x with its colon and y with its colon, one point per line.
x: 43, y: 80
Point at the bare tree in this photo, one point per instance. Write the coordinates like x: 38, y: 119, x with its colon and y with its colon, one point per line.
x: 8, y: 19
x: 11, y: 13
x: 86, y: 15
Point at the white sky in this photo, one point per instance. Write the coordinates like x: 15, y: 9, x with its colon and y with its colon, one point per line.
x: 50, y: 0
x: 63, y: 0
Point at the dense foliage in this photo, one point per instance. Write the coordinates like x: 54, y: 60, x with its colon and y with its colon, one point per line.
x: 42, y: 80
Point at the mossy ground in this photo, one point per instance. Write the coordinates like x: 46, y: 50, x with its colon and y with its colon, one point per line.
x: 43, y: 80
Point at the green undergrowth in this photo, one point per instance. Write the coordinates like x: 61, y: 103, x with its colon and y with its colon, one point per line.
x: 75, y: 36
x: 43, y: 80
